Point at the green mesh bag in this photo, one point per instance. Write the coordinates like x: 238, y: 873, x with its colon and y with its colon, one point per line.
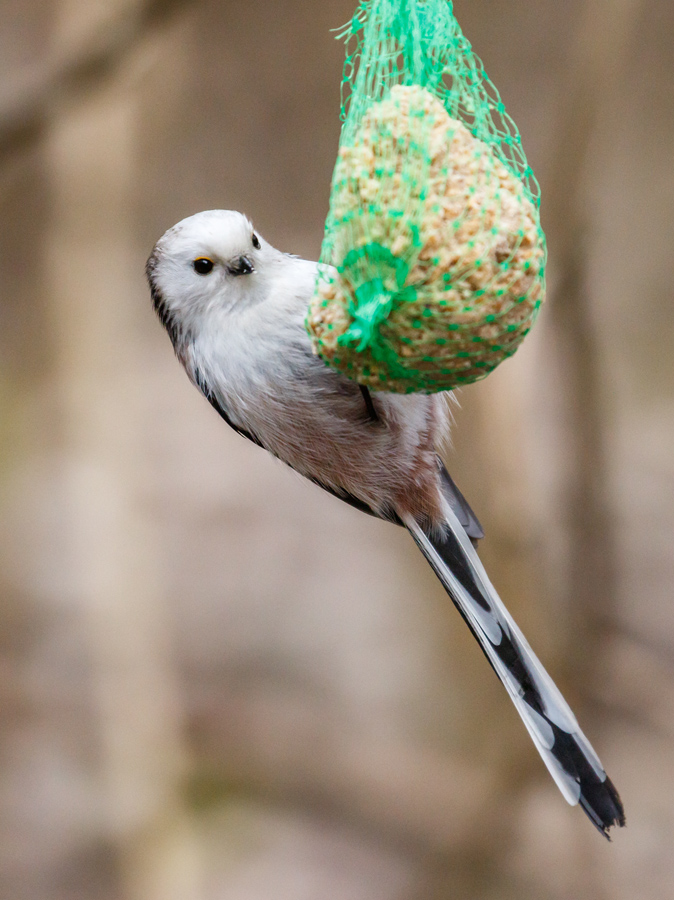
x: 435, y: 251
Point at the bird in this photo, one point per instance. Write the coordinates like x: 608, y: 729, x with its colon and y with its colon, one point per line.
x: 234, y: 308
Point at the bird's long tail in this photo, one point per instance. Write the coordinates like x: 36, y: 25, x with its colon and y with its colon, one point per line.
x: 553, y: 727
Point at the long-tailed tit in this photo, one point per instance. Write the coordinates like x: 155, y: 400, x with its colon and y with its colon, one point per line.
x: 234, y: 308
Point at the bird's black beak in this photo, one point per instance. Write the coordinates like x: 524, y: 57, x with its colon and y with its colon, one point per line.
x: 241, y: 266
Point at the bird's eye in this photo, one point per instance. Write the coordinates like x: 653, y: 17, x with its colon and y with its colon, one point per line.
x: 256, y: 241
x: 203, y: 265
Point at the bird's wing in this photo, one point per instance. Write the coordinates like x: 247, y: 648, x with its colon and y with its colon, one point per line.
x: 224, y: 413
x: 449, y: 489
x: 566, y: 751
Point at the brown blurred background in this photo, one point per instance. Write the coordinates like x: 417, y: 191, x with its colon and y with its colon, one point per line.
x: 219, y: 683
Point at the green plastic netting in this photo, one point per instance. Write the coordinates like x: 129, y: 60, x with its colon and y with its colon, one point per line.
x: 436, y: 253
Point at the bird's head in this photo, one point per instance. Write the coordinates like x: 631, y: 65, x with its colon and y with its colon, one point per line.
x: 212, y: 260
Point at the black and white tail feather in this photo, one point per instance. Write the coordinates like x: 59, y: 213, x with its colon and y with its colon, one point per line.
x: 564, y: 748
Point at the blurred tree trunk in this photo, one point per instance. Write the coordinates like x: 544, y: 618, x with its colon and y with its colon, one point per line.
x: 603, y: 35
x: 91, y: 156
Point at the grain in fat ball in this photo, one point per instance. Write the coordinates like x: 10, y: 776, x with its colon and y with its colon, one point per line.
x: 431, y: 225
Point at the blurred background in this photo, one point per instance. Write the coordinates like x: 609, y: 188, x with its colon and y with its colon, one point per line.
x: 218, y: 682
